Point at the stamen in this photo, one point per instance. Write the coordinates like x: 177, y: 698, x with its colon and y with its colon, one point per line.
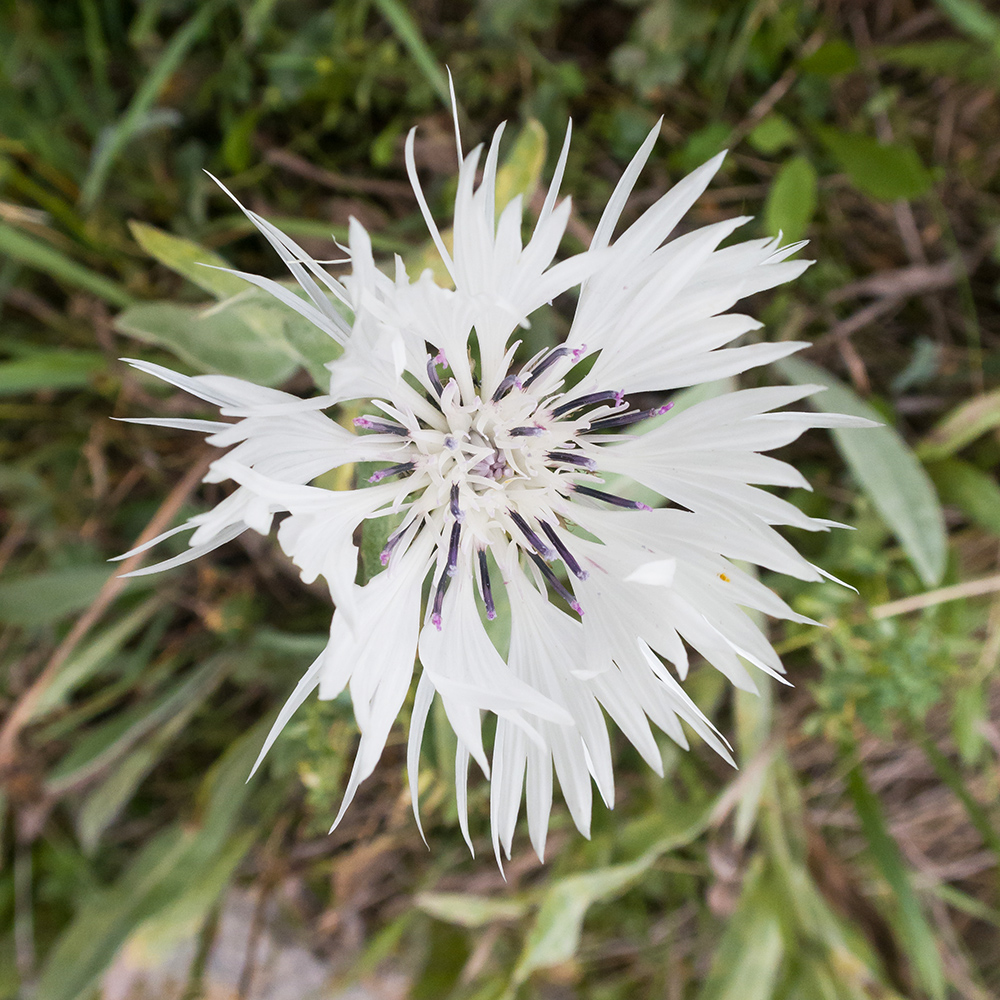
x: 484, y: 579
x: 536, y: 543
x: 624, y: 419
x: 508, y: 383
x: 393, y: 470
x: 590, y: 400
x: 393, y: 540
x: 433, y: 376
x: 587, y: 491
x: 456, y: 511
x: 533, y: 431
x: 456, y: 531
x: 567, y: 557
x: 383, y: 426
x: 572, y: 458
x: 554, y: 583
x: 546, y: 363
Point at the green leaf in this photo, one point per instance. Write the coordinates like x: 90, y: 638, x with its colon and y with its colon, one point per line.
x: 886, y: 469
x: 409, y: 34
x: 44, y: 598
x: 970, y: 489
x: 467, y: 910
x: 953, y: 57
x: 915, y: 932
x: 59, y: 369
x: 831, y: 59
x: 974, y: 19
x: 522, y: 167
x: 887, y: 172
x: 961, y: 427
x: 555, y: 934
x: 791, y: 202
x: 250, y: 336
x: 188, y: 259
x: 773, y: 134
x: 44, y: 257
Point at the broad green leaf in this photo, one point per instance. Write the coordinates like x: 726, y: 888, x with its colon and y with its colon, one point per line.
x: 961, y: 427
x: 831, y: 59
x: 916, y: 934
x: 887, y: 172
x: 773, y: 134
x: 188, y: 259
x: 44, y: 598
x: 970, y: 489
x: 250, y: 336
x: 44, y: 257
x: 555, y: 934
x: 791, y: 202
x: 886, y: 469
x: 59, y: 369
x: 467, y: 910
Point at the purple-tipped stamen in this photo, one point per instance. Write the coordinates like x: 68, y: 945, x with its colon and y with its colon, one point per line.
x: 546, y: 363
x: 624, y: 419
x: 581, y: 402
x: 435, y: 379
x: 567, y: 557
x: 588, y: 491
x: 484, y: 579
x: 525, y: 432
x: 572, y: 458
x: 393, y: 540
x: 456, y: 511
x: 536, y: 543
x: 506, y: 384
x: 382, y: 426
x: 393, y: 470
x: 456, y: 531
x: 556, y: 585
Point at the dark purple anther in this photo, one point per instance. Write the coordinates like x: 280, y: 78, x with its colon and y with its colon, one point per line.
x: 393, y: 470
x: 567, y: 557
x: 456, y: 511
x: 433, y: 376
x: 527, y: 432
x: 554, y: 583
x: 590, y: 400
x: 536, y: 543
x: 587, y: 491
x: 624, y: 419
x: 546, y: 363
x: 383, y: 426
x: 456, y: 531
x: 508, y: 383
x: 572, y: 458
x: 484, y: 579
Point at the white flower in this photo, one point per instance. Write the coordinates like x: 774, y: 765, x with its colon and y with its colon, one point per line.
x: 495, y: 470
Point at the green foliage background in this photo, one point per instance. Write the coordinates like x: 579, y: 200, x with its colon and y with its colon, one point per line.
x: 855, y: 853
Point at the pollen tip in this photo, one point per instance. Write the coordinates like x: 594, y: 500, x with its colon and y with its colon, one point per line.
x: 436, y: 621
x: 583, y: 575
x: 450, y: 443
x: 575, y: 605
x: 384, y: 557
x: 441, y: 359
x: 642, y: 506
x: 491, y: 614
x: 619, y: 398
x: 362, y: 422
x: 376, y: 477
x: 663, y: 409
x: 578, y: 352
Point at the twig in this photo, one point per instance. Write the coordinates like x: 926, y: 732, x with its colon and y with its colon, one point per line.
x: 113, y: 586
x: 339, y: 182
x: 971, y: 588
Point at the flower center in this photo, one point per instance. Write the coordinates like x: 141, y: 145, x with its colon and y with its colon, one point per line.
x: 480, y: 472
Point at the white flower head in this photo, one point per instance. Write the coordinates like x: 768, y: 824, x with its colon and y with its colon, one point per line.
x: 496, y: 474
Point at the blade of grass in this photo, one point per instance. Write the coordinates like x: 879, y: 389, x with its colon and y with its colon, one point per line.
x: 114, y: 140
x: 916, y: 935
x: 409, y: 34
